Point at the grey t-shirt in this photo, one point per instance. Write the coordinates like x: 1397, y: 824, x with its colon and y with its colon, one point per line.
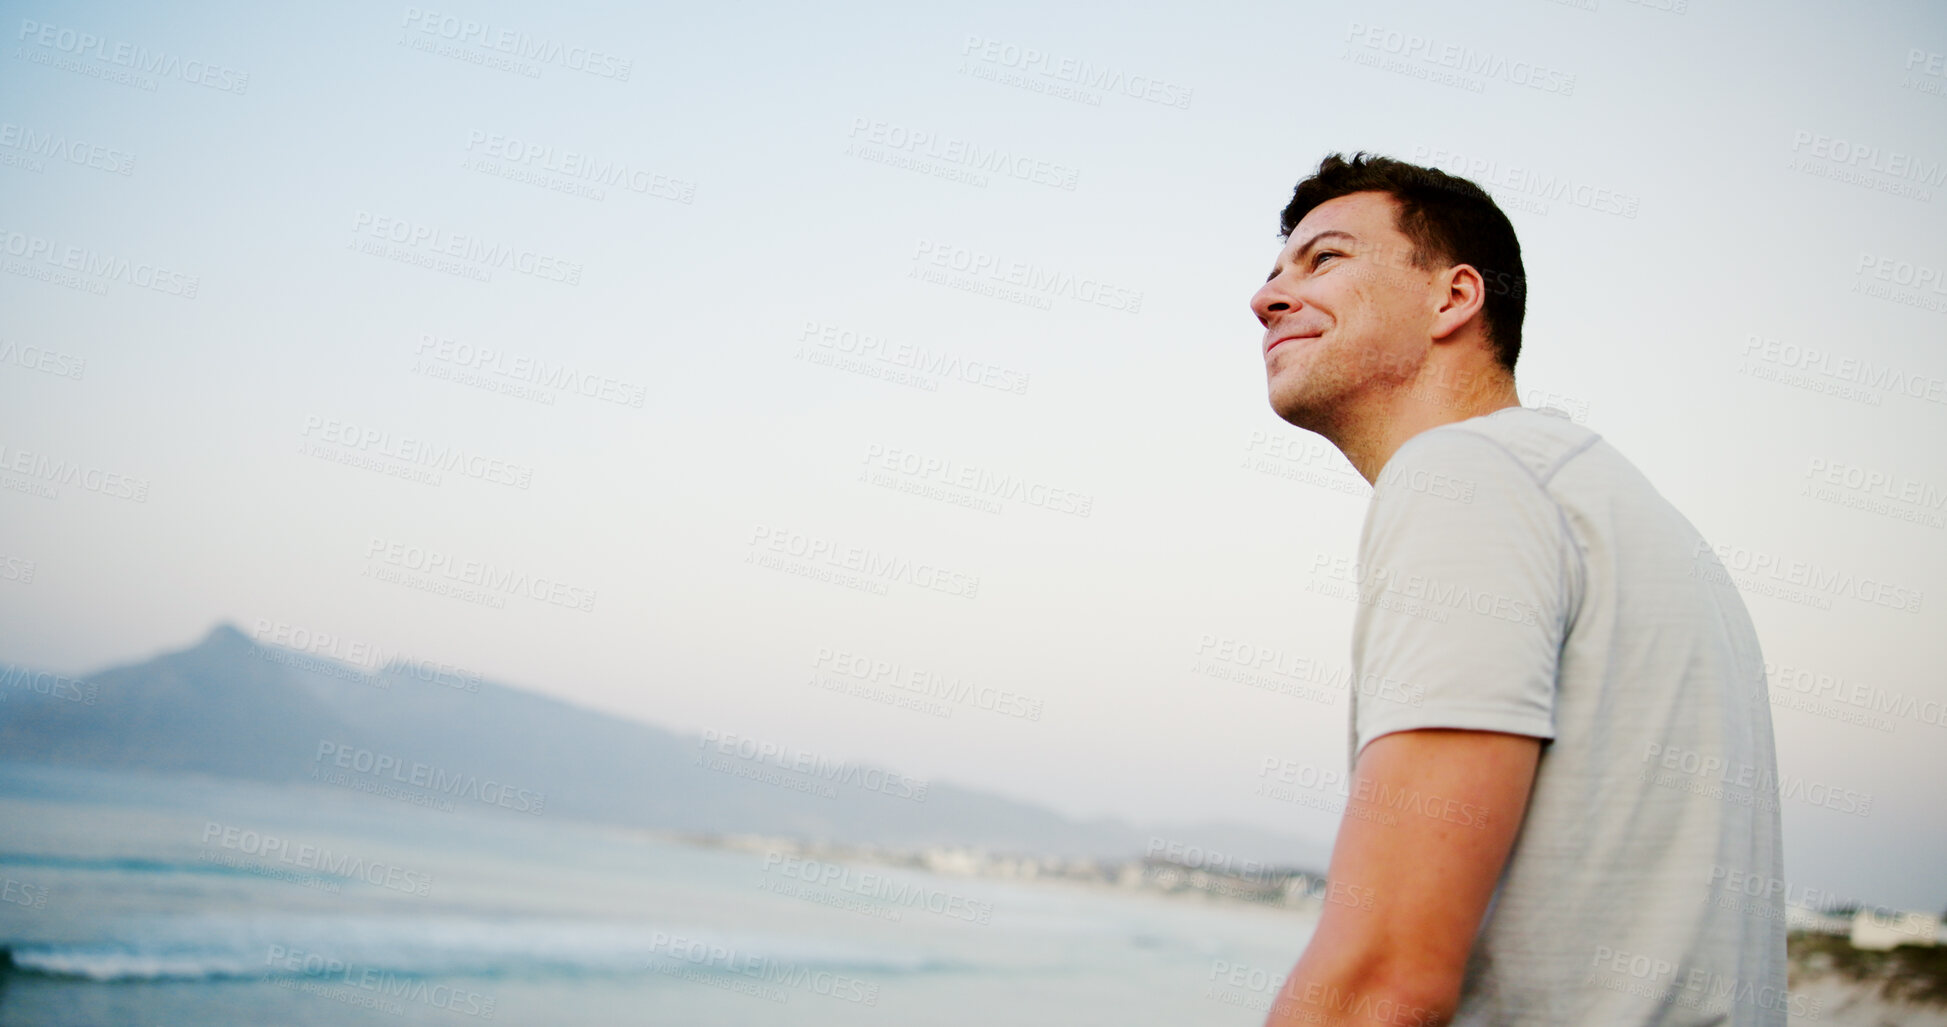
x: 1518, y: 575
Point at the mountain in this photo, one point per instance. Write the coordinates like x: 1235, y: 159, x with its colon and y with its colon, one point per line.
x: 232, y: 707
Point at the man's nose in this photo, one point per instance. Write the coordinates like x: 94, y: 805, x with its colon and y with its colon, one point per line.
x: 1269, y: 301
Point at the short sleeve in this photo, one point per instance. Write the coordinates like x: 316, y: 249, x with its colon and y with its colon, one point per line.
x: 1465, y: 575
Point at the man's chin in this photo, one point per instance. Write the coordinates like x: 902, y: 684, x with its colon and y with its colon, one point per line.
x: 1300, y: 411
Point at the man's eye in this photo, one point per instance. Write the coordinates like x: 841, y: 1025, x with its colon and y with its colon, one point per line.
x: 1319, y: 257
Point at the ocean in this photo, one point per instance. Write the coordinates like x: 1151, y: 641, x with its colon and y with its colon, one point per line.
x: 128, y: 898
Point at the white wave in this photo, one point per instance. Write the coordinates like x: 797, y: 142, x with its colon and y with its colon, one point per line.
x: 201, y: 947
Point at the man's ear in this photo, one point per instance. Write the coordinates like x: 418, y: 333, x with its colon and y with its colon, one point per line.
x: 1459, y: 292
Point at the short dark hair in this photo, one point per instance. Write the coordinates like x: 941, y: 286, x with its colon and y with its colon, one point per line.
x: 1448, y: 219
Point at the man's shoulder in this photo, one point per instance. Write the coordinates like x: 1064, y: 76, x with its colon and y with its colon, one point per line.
x: 1538, y: 441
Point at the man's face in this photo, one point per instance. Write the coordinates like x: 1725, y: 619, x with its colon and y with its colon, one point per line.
x: 1345, y: 312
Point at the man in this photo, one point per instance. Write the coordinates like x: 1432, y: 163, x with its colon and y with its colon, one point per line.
x: 1567, y: 739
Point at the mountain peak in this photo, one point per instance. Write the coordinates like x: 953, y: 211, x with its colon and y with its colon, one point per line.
x: 236, y: 707
x: 225, y: 635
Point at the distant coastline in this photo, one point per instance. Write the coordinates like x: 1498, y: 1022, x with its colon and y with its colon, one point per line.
x: 1855, y: 987
x: 1165, y: 870
x: 1913, y: 975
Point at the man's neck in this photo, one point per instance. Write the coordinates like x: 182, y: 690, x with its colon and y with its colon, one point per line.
x: 1371, y: 437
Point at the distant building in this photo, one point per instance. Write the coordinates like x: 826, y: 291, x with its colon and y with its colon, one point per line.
x: 952, y: 861
x: 1872, y: 929
x: 1298, y: 891
x: 1801, y: 918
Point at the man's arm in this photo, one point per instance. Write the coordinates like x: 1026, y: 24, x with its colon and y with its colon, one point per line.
x: 1427, y: 829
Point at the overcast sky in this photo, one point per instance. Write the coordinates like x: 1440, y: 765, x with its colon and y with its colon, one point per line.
x: 667, y: 309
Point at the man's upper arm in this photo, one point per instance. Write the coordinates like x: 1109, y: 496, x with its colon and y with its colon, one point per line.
x: 1466, y: 593
x: 1468, y: 582
x: 1429, y: 822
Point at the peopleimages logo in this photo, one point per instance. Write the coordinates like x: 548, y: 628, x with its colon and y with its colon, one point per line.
x: 23, y: 893
x: 423, y: 243
x: 975, y: 480
x: 577, y: 167
x: 39, y: 358
x: 134, y: 58
x: 913, y: 357
x: 1902, y: 272
x: 484, y: 576
x: 1787, y: 682
x: 1076, y: 72
x: 1892, y: 163
x: 1465, y: 60
x: 1902, y: 281
x: 1373, y: 795
x: 313, y: 857
x: 925, y: 683
x: 325, y: 649
x: 765, y: 975
x: 61, y: 471
x: 87, y: 263
x: 1034, y: 282
x: 54, y: 686
x: 813, y: 765
x: 1440, y: 594
x: 1521, y: 181
x: 435, y: 779
x: 853, y: 566
x: 965, y: 153
x: 377, y: 983
x: 1743, y: 568
x: 58, y: 146
x: 1746, y: 784
x: 517, y: 43
x: 878, y: 886
x: 1764, y: 895
x: 1652, y: 976
x: 354, y: 438
x: 1831, y: 372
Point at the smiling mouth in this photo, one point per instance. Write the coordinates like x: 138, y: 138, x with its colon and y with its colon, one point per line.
x: 1290, y: 338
